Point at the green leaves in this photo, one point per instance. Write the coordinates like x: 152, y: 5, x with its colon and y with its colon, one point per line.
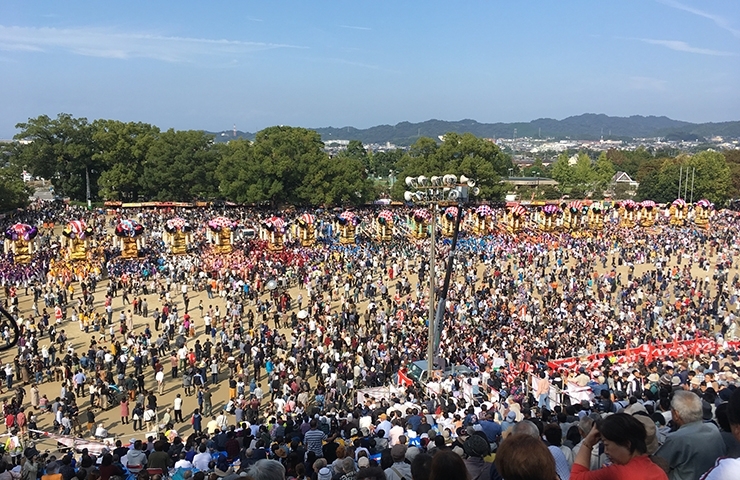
x: 287, y: 165
x: 464, y: 154
x: 61, y: 150
x: 14, y: 192
x: 707, y: 173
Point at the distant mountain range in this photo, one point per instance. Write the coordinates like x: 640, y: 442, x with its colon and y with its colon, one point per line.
x: 588, y: 126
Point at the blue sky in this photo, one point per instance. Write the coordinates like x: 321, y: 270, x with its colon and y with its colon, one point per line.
x: 209, y: 65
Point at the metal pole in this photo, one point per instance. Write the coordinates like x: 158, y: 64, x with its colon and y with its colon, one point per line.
x: 432, y: 256
x: 439, y: 318
x: 693, y: 175
x: 87, y: 178
x: 680, y: 176
x: 686, y: 183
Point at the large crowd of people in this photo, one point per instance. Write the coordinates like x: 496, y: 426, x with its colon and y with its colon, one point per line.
x: 298, y: 360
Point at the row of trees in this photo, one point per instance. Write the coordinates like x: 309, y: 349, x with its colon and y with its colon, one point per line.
x: 708, y: 174
x: 286, y: 165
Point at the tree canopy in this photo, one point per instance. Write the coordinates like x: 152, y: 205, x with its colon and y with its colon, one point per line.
x: 134, y: 161
x: 703, y: 175
x: 466, y: 154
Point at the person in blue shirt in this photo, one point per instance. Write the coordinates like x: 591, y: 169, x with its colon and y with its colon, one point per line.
x: 490, y: 428
x: 197, y: 421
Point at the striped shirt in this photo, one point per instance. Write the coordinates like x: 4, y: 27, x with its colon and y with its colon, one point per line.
x: 313, y: 439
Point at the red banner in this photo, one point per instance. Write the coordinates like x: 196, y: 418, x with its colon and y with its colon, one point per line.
x: 647, y: 351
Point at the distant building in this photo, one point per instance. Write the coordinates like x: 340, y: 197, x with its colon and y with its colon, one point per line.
x: 622, y: 182
x: 530, y: 181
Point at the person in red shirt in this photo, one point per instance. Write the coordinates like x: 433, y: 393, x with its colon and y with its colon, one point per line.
x: 9, y: 421
x: 624, y: 443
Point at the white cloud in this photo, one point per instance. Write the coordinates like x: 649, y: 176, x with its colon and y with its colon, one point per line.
x: 108, y: 43
x: 354, y: 27
x: 719, y: 20
x: 681, y: 46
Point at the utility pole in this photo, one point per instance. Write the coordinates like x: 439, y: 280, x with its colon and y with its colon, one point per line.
x: 680, y: 176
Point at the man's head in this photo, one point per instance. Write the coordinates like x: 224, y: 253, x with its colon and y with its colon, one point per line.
x: 266, y: 470
x: 398, y: 452
x: 527, y: 428
x: 686, y: 407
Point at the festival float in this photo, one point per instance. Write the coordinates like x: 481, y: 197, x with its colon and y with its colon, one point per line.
x: 572, y: 215
x: 448, y: 221
x: 420, y: 218
x: 274, y: 228
x: 177, y: 235
x: 306, y: 226
x: 516, y: 218
x: 128, y: 238
x: 646, y: 213
x: 220, y: 234
x: 19, y: 240
x: 76, y: 238
x: 483, y: 220
x: 348, y: 222
x: 595, y: 216
x: 702, y: 211
x: 384, y: 225
x: 549, y: 217
x: 678, y: 212
x: 628, y: 214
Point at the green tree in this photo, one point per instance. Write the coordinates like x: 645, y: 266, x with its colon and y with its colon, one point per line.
x: 561, y: 170
x: 283, y: 157
x: 14, y: 192
x: 236, y: 170
x: 650, y: 188
x: 181, y: 166
x: 465, y: 154
x: 121, y: 148
x: 710, y: 177
x: 604, y: 171
x: 337, y: 181
x: 733, y: 161
x: 708, y: 173
x: 356, y: 150
x: 382, y: 163
x: 61, y: 150
x: 584, y: 175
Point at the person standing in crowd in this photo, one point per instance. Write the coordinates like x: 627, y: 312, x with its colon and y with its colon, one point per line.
x: 695, y: 446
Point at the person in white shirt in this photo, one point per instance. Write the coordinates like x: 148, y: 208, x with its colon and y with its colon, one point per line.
x: 101, y: 432
x: 160, y: 380
x: 202, y: 459
x: 395, y: 433
x: 177, y: 407
x: 183, y: 463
